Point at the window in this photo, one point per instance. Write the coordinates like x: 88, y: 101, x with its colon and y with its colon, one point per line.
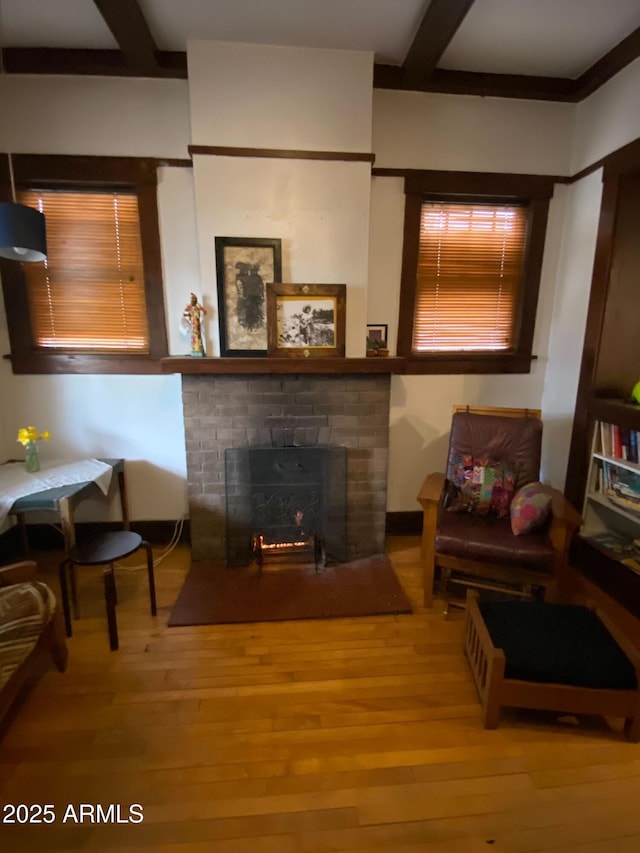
x: 95, y: 305
x: 471, y: 270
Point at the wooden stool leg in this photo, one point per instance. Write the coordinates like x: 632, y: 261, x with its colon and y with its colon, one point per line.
x: 152, y: 582
x: 64, y: 595
x: 110, y: 601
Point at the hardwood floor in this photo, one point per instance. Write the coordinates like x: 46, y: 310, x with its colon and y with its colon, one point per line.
x: 299, y: 737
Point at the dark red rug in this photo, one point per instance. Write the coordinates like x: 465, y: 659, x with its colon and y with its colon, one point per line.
x: 213, y: 594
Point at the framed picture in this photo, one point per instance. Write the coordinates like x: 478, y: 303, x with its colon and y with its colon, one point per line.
x: 377, y: 332
x: 306, y: 320
x: 244, y: 266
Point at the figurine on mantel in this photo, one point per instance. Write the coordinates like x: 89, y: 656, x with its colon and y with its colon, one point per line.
x: 192, y: 318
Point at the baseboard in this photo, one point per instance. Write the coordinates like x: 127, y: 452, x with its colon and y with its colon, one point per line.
x: 404, y: 523
x: 46, y: 537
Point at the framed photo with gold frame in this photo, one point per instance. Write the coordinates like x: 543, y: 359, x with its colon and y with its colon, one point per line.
x: 306, y: 320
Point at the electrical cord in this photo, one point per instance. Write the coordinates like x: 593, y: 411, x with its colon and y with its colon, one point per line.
x: 175, y: 538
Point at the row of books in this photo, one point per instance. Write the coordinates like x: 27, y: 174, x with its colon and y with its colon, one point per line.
x: 619, y: 442
x: 626, y: 551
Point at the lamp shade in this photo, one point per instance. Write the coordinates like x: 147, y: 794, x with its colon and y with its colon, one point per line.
x: 22, y: 233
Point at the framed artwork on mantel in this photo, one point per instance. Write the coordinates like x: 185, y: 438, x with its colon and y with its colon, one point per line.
x: 306, y: 320
x: 244, y: 267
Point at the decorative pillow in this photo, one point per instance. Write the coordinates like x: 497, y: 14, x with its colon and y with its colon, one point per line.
x: 530, y: 508
x: 480, y: 486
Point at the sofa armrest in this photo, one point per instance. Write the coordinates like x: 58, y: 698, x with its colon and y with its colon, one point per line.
x: 18, y: 572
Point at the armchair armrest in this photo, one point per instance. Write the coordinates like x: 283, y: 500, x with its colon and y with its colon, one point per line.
x: 565, y: 521
x: 431, y: 491
x: 563, y: 510
x: 17, y: 572
x: 429, y: 498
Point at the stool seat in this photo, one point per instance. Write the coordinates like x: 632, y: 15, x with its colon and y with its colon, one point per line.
x: 103, y: 550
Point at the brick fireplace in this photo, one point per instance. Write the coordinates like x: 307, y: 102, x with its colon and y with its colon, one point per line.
x: 297, y: 409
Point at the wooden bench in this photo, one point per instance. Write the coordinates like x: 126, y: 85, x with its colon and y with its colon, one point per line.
x: 569, y: 659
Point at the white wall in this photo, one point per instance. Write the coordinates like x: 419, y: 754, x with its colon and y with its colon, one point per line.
x: 287, y: 98
x: 140, y: 418
x: 414, y: 130
x: 262, y: 96
x: 136, y: 417
x: 569, y: 319
x: 608, y: 119
x: 424, y: 131
x: 320, y: 211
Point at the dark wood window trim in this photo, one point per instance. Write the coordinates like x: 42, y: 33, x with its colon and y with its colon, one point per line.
x: 282, y: 153
x: 478, y: 186
x: 67, y: 171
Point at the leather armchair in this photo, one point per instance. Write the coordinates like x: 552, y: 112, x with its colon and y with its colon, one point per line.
x: 481, y: 550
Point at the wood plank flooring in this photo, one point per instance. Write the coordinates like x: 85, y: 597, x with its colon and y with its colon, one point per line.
x: 299, y: 737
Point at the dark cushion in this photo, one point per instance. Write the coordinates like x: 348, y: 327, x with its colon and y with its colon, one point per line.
x: 477, y: 537
x: 557, y: 644
x: 515, y: 442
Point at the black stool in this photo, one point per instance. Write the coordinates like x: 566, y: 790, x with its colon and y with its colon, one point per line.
x: 103, y: 551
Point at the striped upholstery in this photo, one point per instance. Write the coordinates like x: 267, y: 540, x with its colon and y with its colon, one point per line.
x: 25, y: 609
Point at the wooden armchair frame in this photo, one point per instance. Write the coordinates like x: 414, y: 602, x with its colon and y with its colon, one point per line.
x: 565, y: 520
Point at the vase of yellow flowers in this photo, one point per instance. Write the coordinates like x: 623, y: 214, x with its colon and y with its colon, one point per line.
x: 29, y: 438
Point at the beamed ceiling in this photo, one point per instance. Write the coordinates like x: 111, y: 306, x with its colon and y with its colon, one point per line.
x: 560, y: 50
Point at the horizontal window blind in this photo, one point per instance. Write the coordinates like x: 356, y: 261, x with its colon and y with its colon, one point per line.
x: 470, y: 264
x: 89, y: 295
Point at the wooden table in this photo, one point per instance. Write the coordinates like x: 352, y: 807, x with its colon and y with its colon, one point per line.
x: 64, y: 500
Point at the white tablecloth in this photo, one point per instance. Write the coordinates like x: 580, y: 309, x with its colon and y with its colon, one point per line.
x: 16, y: 481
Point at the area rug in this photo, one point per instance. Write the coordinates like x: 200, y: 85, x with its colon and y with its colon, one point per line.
x: 213, y: 594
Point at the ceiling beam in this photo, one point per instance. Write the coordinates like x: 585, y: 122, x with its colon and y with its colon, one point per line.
x: 440, y: 23
x: 448, y: 82
x: 604, y: 69
x: 129, y: 28
x: 97, y: 63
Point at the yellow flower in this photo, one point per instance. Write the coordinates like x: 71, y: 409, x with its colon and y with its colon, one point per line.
x: 28, y: 435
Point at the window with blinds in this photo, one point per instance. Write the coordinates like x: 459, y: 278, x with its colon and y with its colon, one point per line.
x: 469, y: 277
x: 89, y: 295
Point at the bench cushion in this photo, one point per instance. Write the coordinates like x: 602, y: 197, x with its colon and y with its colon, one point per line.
x: 25, y: 610
x: 557, y: 644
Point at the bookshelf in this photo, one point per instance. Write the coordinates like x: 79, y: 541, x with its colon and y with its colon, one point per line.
x: 611, y: 510
x: 610, y: 368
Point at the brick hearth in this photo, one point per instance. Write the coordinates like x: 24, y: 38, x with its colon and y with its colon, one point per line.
x: 258, y: 411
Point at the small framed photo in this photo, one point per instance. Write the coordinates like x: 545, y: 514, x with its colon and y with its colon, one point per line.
x: 244, y: 266
x: 306, y: 320
x: 377, y: 332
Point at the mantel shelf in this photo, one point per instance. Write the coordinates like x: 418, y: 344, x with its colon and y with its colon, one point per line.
x: 236, y: 366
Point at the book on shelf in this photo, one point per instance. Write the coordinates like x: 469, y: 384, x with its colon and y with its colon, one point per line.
x: 618, y: 547
x: 619, y: 442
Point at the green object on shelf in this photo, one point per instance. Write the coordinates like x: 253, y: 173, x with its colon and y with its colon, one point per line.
x: 635, y: 394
